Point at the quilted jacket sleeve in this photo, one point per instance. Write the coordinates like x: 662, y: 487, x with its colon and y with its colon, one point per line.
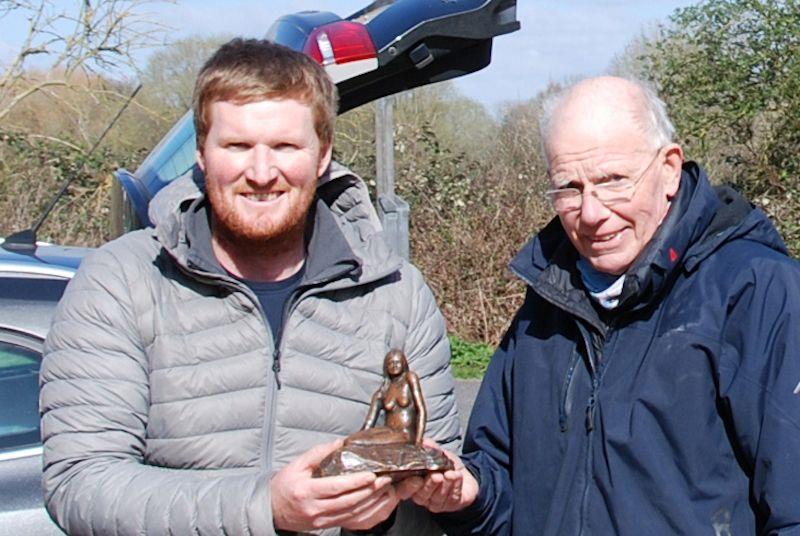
x: 94, y: 403
x: 428, y: 352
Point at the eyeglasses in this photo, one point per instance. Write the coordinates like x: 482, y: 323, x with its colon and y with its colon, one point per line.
x: 613, y: 191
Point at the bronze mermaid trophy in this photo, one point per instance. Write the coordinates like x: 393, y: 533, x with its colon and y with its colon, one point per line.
x: 396, y: 448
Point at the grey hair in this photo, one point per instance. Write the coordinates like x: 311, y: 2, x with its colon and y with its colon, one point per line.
x: 655, y: 121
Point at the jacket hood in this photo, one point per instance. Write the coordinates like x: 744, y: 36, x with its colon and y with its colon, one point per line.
x: 346, y: 228
x: 702, y: 220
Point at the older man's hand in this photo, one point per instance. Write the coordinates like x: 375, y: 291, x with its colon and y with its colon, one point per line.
x: 449, y: 491
x: 357, y: 501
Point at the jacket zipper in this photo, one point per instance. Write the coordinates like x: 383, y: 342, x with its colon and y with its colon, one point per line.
x: 269, y: 412
x: 272, y: 394
x: 590, y: 417
x: 289, y: 306
x: 276, y: 365
x: 562, y: 413
x: 276, y: 353
x: 303, y: 291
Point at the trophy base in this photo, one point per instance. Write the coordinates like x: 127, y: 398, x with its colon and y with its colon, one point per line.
x: 396, y: 460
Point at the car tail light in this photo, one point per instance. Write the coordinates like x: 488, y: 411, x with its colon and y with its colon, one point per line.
x: 340, y: 42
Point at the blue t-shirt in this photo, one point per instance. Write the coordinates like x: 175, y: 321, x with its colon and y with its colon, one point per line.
x: 273, y: 296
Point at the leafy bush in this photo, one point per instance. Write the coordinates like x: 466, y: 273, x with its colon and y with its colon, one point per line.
x: 729, y: 71
x: 32, y: 173
x: 470, y: 359
x: 44, y: 141
x: 471, y: 209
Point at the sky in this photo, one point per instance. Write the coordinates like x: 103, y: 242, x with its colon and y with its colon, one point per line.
x: 559, y: 39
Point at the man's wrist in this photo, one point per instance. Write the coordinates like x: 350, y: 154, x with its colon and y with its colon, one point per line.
x: 381, y: 528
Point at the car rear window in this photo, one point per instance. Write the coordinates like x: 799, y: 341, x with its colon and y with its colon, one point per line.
x: 19, y: 396
x: 31, y: 287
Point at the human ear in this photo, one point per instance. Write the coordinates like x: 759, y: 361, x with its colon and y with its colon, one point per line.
x: 324, y: 159
x: 672, y: 165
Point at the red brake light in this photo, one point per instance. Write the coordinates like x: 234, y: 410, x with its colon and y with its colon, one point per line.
x: 340, y: 42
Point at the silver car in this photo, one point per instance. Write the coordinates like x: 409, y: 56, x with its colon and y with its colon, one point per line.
x: 31, y: 283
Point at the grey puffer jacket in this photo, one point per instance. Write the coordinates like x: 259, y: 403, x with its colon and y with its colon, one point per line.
x: 166, y: 406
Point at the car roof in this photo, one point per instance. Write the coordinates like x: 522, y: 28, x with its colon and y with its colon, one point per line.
x: 31, y: 283
x: 45, y: 260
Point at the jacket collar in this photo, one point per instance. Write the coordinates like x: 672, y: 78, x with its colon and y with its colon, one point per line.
x: 329, y: 254
x: 734, y: 218
x: 662, y: 259
x: 197, y: 227
x: 548, y: 262
x: 345, y: 238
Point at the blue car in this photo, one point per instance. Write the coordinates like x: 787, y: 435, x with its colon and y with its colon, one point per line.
x: 385, y: 48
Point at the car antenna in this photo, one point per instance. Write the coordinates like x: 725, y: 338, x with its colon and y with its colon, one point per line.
x: 26, y: 240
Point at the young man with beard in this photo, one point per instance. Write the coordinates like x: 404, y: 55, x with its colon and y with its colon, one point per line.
x: 197, y: 372
x: 649, y: 383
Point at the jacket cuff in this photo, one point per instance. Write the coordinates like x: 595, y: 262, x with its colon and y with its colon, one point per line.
x: 259, y: 510
x: 464, y: 521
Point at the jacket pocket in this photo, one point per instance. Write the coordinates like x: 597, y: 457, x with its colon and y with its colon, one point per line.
x: 565, y: 407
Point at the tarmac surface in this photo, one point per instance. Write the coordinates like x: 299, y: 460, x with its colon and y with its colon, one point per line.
x: 465, y: 396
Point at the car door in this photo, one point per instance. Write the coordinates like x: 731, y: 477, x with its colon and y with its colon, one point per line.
x: 21, y: 509
x: 30, y: 288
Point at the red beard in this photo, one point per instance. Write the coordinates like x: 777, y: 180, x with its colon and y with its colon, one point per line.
x: 234, y: 228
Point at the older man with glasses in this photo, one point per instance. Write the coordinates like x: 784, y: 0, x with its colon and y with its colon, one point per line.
x: 649, y: 383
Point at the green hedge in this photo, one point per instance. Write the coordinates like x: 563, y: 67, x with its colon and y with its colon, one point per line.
x: 470, y: 359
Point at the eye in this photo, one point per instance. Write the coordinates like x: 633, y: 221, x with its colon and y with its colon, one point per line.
x: 237, y: 146
x: 614, y: 183
x: 564, y: 192
x: 611, y: 179
x: 286, y: 147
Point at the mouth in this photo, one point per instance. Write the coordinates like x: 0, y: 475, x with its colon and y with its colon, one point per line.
x: 605, y: 238
x: 261, y: 197
x: 602, y: 242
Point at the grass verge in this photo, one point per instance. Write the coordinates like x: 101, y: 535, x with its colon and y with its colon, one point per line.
x: 469, y: 359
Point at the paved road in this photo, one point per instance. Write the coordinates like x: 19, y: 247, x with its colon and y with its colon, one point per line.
x: 465, y: 395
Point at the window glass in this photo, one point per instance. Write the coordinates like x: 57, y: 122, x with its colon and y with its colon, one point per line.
x: 31, y: 288
x: 173, y: 156
x: 19, y: 396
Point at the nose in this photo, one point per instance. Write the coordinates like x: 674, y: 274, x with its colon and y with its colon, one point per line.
x: 592, y: 210
x: 261, y: 167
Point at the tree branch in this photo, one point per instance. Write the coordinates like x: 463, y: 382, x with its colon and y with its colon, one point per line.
x: 27, y: 93
x: 98, y: 36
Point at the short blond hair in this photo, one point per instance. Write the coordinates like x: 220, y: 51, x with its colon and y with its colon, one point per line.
x: 250, y: 70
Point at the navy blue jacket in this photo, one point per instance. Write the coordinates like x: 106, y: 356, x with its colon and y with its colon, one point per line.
x: 676, y: 413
